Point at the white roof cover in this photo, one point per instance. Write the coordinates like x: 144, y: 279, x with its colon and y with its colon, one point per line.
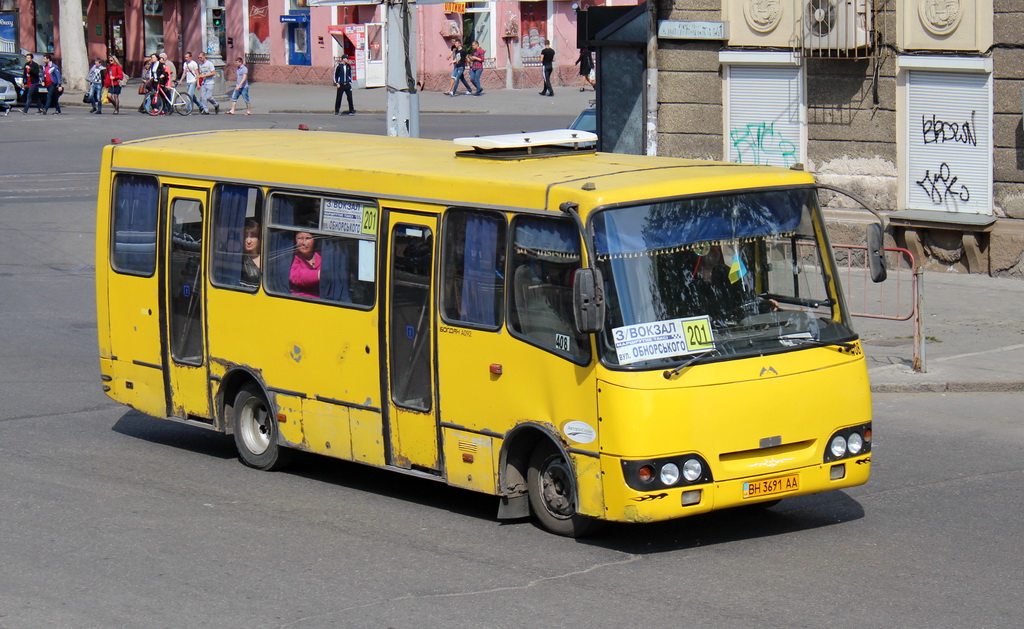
x: 554, y: 137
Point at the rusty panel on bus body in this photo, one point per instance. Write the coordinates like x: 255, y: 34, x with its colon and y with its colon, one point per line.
x: 714, y: 410
x: 128, y: 303
x: 533, y: 386
x: 300, y: 346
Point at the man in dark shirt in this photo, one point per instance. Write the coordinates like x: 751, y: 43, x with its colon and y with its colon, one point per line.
x: 31, y: 75
x: 547, y: 59
x: 343, y: 81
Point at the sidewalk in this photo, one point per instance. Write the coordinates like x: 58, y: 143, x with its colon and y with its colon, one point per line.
x: 300, y: 99
x: 975, y: 338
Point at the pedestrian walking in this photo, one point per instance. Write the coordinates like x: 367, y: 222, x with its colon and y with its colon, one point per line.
x: 32, y: 81
x: 241, y: 87
x: 190, y: 76
x: 114, y: 81
x: 171, y: 70
x: 458, y: 59
x: 586, y: 68
x: 476, y: 66
x: 96, y: 76
x: 207, y: 76
x: 165, y: 81
x: 547, y: 60
x: 343, y: 81
x: 149, y: 80
x: 54, y: 84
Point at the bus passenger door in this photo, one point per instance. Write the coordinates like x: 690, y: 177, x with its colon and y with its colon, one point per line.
x: 188, y: 390
x: 412, y: 430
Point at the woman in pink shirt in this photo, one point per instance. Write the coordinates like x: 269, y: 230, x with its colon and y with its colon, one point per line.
x: 304, y: 277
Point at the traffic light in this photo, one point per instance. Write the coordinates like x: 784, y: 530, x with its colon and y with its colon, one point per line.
x: 217, y: 16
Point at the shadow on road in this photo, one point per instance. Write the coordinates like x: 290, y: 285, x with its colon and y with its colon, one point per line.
x: 790, y: 516
x: 140, y: 426
x: 721, y: 527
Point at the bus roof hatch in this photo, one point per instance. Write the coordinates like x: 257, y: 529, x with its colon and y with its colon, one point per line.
x: 526, y: 145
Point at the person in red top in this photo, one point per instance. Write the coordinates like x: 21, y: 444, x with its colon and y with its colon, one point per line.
x: 476, y: 67
x: 304, y: 276
x: 113, y: 81
x: 31, y: 77
x: 53, y: 83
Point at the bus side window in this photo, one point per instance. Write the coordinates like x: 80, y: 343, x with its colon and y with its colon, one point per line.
x: 474, y: 268
x: 546, y: 253
x: 237, y: 237
x: 136, y: 208
x: 339, y: 269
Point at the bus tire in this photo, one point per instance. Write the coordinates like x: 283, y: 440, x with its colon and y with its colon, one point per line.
x: 552, y: 491
x: 256, y: 433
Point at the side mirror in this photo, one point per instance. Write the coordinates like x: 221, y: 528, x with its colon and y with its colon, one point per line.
x: 876, y: 252
x: 588, y: 300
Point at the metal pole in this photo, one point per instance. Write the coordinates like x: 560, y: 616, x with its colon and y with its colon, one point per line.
x: 403, y: 100
x: 919, y: 340
x: 651, y: 113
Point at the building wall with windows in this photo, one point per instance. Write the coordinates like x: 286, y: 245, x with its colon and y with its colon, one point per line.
x: 916, y: 105
x: 291, y: 42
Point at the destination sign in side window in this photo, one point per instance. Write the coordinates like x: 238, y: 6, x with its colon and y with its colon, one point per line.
x: 348, y: 218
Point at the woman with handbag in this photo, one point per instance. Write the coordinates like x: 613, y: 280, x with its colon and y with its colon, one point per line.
x: 114, y: 81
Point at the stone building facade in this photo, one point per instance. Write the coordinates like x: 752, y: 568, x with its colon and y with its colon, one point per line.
x: 915, y: 105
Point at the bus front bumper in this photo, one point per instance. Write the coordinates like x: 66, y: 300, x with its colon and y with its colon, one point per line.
x: 623, y: 504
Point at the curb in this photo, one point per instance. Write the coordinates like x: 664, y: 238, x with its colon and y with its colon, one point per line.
x: 949, y: 387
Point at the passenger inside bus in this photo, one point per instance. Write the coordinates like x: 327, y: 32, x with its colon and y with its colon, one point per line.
x: 251, y: 254
x: 304, y: 276
x: 710, y: 289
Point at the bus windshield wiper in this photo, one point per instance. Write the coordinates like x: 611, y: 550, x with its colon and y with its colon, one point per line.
x: 797, y: 301
x: 669, y: 373
x: 807, y: 340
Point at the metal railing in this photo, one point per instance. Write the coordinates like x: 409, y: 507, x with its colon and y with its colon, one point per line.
x: 899, y: 298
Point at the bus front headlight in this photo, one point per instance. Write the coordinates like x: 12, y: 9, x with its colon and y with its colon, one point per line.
x: 669, y: 474
x: 854, y: 443
x: 846, y: 443
x: 838, y: 446
x: 666, y: 472
x: 692, y: 470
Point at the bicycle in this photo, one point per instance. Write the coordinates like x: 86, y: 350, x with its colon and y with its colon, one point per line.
x: 180, y: 105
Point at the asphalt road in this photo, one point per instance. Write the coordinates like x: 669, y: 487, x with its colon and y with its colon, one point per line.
x: 109, y: 518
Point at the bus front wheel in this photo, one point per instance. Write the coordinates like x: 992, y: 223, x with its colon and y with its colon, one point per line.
x: 256, y: 432
x: 552, y: 490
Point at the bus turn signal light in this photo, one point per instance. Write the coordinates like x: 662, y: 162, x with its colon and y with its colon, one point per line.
x: 645, y: 473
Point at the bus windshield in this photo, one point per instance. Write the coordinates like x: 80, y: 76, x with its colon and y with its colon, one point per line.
x: 716, y: 277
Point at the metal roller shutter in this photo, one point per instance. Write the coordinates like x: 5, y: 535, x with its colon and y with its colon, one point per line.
x: 949, y: 147
x: 764, y: 115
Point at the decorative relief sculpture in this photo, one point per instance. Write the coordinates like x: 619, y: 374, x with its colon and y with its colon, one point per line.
x: 940, y: 17
x: 762, y: 15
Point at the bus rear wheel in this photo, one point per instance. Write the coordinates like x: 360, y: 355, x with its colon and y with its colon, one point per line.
x: 552, y: 490
x: 256, y: 433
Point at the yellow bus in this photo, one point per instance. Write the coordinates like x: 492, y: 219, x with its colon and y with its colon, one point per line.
x: 586, y: 336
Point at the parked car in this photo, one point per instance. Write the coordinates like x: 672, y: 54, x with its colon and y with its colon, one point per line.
x: 8, y: 96
x: 586, y: 121
x: 12, y: 69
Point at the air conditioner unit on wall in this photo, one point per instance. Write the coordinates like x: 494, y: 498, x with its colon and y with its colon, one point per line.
x: 836, y: 25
